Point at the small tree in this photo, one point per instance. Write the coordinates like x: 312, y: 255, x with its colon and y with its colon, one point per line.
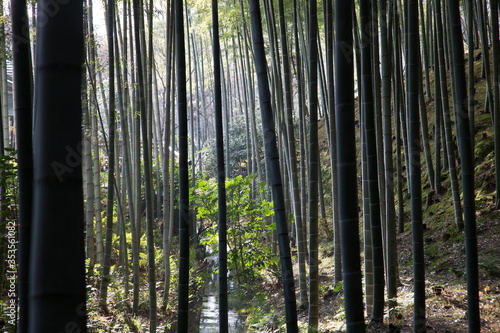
x: 249, y: 257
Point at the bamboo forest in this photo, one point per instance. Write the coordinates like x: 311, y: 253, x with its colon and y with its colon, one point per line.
x: 249, y: 166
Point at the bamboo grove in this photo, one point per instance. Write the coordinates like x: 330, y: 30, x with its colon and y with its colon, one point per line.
x: 123, y: 109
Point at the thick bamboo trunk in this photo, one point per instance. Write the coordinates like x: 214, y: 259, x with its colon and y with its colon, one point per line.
x: 419, y: 321
x: 467, y: 158
x: 272, y: 157
x: 346, y: 152
x: 57, y: 281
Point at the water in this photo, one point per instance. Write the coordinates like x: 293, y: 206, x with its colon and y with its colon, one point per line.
x: 209, y: 321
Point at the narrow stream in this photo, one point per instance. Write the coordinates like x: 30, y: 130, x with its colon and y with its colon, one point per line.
x: 209, y: 321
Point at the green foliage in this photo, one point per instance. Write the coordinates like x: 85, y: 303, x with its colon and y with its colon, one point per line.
x: 260, y: 313
x: 8, y: 176
x: 433, y: 250
x: 248, y: 223
x: 489, y: 262
x: 229, y: 16
x: 8, y: 213
x: 4, y: 319
x: 198, y: 276
x: 339, y: 287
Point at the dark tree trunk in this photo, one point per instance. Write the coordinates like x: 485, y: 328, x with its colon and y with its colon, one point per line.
x: 333, y: 143
x: 346, y: 164
x: 470, y: 63
x: 415, y: 171
x: 467, y: 159
x: 292, y: 151
x: 182, y: 314
x: 437, y: 119
x: 450, y: 143
x: 57, y: 269
x: 368, y: 114
x: 103, y: 293
x: 221, y: 174
x: 275, y: 172
x: 313, y: 169
x: 496, y: 96
x: 146, y: 159
x: 398, y: 111
x: 169, y: 106
x: 391, y: 244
